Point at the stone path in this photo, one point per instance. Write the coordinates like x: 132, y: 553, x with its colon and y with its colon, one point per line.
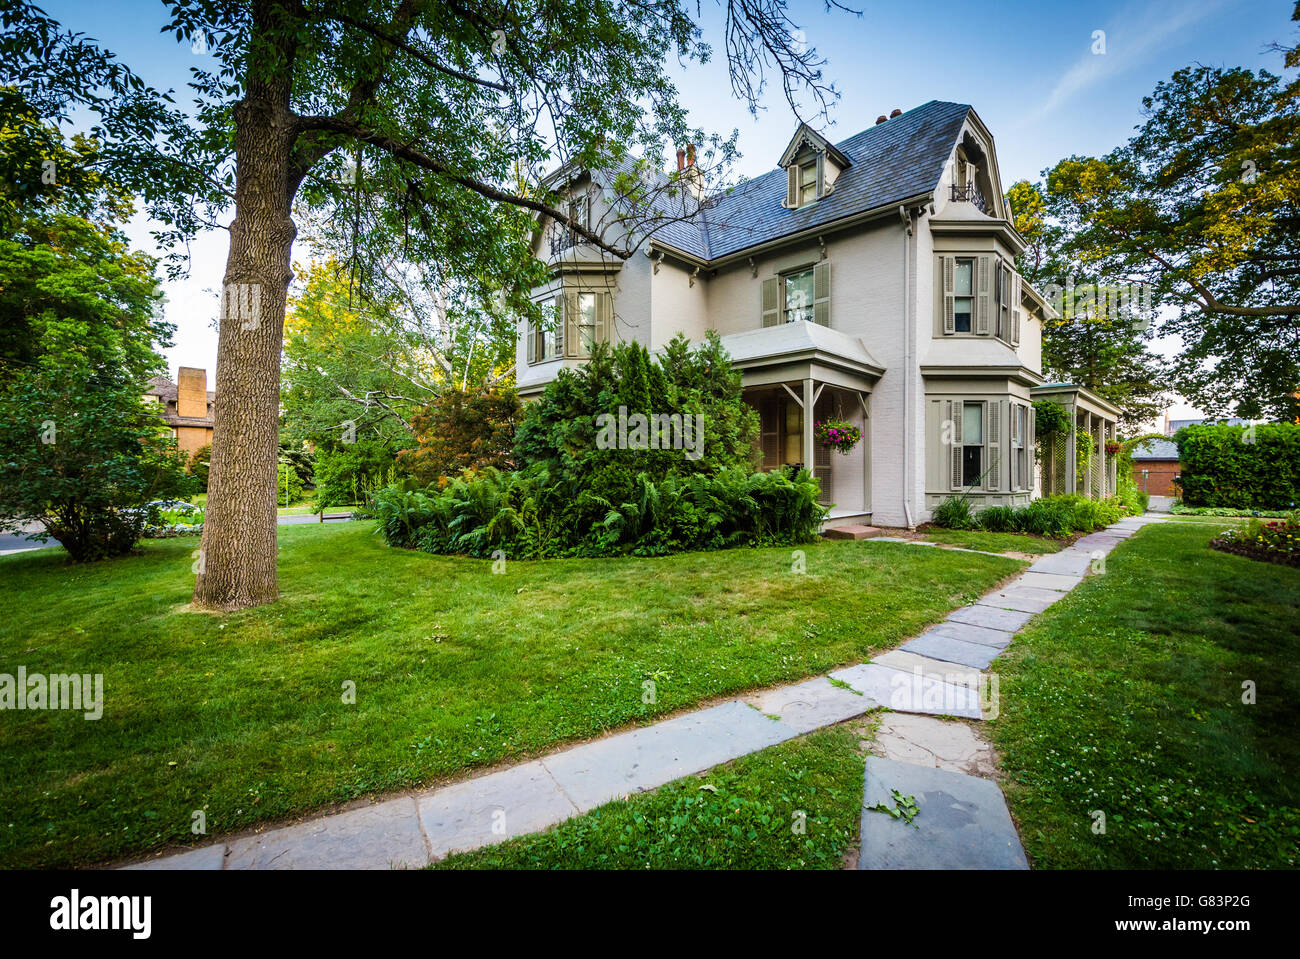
x: 945, y: 765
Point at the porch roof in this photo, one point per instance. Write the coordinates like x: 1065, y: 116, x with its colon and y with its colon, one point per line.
x: 800, y: 350
x: 1081, y: 398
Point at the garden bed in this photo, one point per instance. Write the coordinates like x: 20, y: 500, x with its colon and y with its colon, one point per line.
x: 1275, y: 542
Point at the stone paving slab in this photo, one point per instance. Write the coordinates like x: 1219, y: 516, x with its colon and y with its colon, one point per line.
x: 1068, y: 562
x: 811, y: 705
x: 383, y: 836
x: 1025, y: 599
x: 991, y: 617
x: 954, y: 674
x: 910, y: 691
x: 963, y: 821
x: 952, y: 650
x: 493, y: 808
x: 997, y: 638
x: 1062, y: 584
x: 935, y: 743
x: 596, y: 772
x: 209, y: 857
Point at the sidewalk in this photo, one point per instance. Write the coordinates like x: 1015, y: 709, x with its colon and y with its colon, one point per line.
x: 937, y: 673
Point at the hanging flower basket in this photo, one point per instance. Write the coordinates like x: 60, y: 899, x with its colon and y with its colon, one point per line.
x: 1113, y: 448
x: 839, y: 435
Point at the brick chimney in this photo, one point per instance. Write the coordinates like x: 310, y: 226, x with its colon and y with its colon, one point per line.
x: 895, y: 113
x: 881, y: 119
x: 681, y: 160
x: 690, y: 154
x: 191, y: 392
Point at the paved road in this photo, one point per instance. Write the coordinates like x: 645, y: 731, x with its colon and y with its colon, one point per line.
x: 19, y: 541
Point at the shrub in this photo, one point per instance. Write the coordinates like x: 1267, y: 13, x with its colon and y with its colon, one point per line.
x: 1224, y: 511
x: 198, y: 465
x: 953, y: 513
x: 577, y: 495
x: 1044, y: 517
x: 351, y: 472
x: 287, y: 483
x: 997, y: 519
x: 1252, y: 468
x: 459, y: 431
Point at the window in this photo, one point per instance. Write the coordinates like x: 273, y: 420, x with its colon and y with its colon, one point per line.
x: 1019, y: 454
x: 544, y: 338
x: 963, y: 301
x: 807, y: 182
x: 972, y: 440
x: 586, y: 323
x: 799, y: 296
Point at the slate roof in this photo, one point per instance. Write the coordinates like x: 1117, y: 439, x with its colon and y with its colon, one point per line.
x: 166, y: 390
x: 890, y: 162
x: 1156, y: 450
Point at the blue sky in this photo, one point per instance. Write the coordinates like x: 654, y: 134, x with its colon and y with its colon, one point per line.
x: 1028, y: 68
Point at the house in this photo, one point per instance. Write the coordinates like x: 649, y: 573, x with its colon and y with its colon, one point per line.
x: 871, y: 280
x: 1156, y: 466
x: 186, y: 406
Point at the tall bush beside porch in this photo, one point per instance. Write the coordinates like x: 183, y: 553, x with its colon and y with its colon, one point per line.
x: 1243, y: 467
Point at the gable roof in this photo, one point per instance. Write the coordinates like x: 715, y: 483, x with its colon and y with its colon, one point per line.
x: 890, y: 162
x: 1155, y: 449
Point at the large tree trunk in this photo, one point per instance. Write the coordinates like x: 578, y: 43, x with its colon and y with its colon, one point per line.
x: 237, y: 561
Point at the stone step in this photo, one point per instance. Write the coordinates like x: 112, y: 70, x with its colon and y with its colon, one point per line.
x: 852, y: 531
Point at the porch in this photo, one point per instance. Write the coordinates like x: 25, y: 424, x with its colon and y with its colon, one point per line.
x: 794, y: 368
x: 1077, y: 462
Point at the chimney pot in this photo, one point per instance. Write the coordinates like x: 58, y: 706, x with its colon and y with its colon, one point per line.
x: 896, y: 113
x: 881, y: 119
x: 681, y: 160
x: 690, y: 154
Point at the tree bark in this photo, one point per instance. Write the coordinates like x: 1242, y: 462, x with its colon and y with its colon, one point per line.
x: 237, y: 566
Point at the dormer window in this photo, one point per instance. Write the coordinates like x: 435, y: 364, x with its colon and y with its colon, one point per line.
x: 812, y: 165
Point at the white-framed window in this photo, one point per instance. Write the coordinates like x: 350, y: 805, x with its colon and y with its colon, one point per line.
x: 545, y: 337
x: 1019, y: 454
x: 807, y: 182
x: 587, y: 323
x: 963, y: 304
x: 798, y: 296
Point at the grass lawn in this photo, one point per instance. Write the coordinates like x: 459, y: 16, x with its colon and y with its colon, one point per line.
x: 740, y: 816
x: 455, y: 667
x: 1126, y: 697
x: 992, y: 542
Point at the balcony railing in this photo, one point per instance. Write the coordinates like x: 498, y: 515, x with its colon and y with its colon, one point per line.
x: 562, y: 238
x: 970, y: 193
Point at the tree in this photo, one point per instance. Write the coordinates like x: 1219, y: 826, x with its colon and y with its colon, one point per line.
x: 460, y: 431
x: 1101, y: 346
x: 451, y: 108
x: 80, y: 452
x: 1203, y: 205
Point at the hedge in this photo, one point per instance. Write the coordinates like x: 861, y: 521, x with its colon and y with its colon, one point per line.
x: 1240, y: 467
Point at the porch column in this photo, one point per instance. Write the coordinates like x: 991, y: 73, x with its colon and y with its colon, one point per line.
x: 866, y: 453
x: 1071, y: 454
x: 808, y: 424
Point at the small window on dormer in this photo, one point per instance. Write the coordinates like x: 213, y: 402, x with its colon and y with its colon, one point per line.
x: 808, y: 182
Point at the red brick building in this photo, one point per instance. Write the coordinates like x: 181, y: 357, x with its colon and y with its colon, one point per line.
x: 1156, y: 466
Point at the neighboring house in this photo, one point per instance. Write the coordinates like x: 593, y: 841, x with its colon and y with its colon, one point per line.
x: 1173, y: 426
x: 1156, y: 467
x: 871, y: 280
x: 185, y: 406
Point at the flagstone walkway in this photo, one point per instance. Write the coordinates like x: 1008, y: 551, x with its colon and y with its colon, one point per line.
x: 963, y: 820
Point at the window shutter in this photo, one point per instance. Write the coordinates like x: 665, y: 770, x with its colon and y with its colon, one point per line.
x: 821, y: 175
x: 822, y: 293
x: 954, y: 418
x: 949, y: 301
x: 567, y: 338
x: 983, y: 269
x: 530, y: 334
x: 1016, y: 293
x: 998, y: 299
x: 772, y: 301
x: 1031, y: 424
x: 792, y: 186
x: 993, y: 443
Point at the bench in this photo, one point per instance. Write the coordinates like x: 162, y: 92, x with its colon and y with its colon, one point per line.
x: 324, y: 515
